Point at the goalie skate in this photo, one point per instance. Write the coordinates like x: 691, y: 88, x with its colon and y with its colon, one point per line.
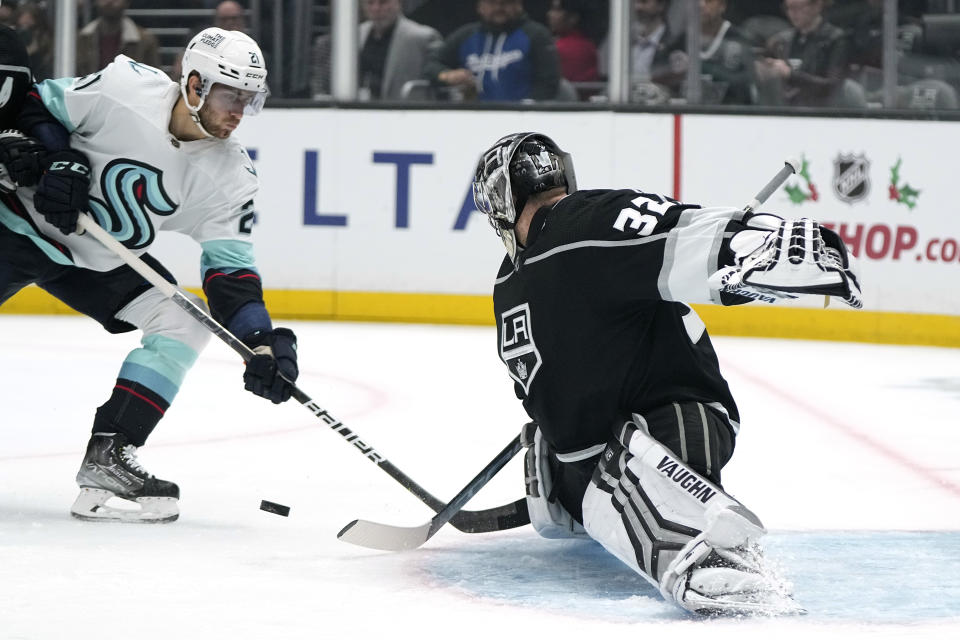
x: 735, y: 583
x: 111, y: 473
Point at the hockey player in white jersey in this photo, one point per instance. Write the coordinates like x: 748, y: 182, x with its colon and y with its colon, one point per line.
x: 144, y: 154
x: 633, y: 418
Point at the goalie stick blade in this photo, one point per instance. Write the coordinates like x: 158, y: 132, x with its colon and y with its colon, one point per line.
x: 507, y: 516
x: 391, y: 538
x: 384, y: 537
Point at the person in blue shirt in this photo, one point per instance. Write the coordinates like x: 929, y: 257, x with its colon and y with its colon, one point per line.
x: 504, y: 56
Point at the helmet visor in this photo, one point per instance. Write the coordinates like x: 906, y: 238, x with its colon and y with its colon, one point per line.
x: 233, y: 100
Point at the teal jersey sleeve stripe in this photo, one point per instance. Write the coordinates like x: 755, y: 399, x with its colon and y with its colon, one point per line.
x: 226, y: 255
x: 51, y: 92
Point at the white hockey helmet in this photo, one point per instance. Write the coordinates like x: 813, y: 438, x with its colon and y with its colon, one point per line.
x: 229, y: 58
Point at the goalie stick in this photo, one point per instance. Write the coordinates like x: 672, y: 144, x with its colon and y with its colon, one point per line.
x: 503, y: 517
x: 791, y: 166
x: 387, y: 537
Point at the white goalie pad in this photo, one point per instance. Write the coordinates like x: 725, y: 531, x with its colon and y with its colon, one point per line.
x: 548, y: 518
x: 792, y: 260
x: 688, y: 537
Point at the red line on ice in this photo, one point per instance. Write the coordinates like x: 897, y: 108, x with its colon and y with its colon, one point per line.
x: 876, y: 446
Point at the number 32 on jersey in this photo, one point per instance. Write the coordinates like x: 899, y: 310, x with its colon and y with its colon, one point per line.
x: 643, y: 214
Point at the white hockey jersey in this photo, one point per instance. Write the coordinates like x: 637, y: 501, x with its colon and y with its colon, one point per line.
x: 143, y: 179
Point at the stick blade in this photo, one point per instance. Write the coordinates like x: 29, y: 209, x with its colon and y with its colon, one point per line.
x: 385, y: 537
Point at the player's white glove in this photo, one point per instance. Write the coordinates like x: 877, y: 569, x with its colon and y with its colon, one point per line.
x: 800, y: 257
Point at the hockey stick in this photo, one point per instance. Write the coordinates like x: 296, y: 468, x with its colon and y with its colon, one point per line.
x: 790, y: 167
x: 375, y: 535
x: 493, y: 519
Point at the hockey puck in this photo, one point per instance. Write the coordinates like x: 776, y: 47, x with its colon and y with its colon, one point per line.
x: 273, y: 507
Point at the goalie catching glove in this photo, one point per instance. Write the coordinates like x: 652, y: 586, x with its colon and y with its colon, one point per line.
x: 271, y: 373
x: 799, y: 257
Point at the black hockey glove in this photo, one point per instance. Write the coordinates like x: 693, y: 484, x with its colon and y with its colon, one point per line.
x: 22, y: 156
x: 64, y: 189
x: 271, y: 373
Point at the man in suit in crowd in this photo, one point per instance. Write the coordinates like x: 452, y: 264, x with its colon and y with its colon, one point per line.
x: 393, y: 50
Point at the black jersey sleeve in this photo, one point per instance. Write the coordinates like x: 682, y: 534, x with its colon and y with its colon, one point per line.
x: 236, y: 301
x: 36, y: 121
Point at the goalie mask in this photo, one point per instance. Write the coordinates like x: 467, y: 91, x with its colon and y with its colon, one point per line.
x: 514, y: 168
x: 231, y: 60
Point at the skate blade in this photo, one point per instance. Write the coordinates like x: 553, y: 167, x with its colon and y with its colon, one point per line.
x: 91, y: 506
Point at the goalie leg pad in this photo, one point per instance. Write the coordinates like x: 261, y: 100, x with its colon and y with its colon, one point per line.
x: 549, y: 518
x: 645, y: 504
x: 673, y: 526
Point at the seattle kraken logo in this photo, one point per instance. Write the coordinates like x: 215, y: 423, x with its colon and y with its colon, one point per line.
x: 131, y: 189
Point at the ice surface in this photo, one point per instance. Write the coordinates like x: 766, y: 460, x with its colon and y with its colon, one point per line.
x: 849, y: 453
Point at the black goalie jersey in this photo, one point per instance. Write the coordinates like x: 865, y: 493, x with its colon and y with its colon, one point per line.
x: 592, y: 324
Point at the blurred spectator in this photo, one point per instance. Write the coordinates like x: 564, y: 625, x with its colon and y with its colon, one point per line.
x: 806, y: 65
x: 111, y: 34
x: 36, y: 35
x: 504, y: 56
x: 446, y: 16
x: 740, y: 10
x: 230, y: 16
x: 577, y: 53
x: 393, y: 51
x: 864, y: 25
x: 443, y: 15
x: 726, y: 59
x: 8, y: 15
x: 649, y: 52
x: 650, y: 37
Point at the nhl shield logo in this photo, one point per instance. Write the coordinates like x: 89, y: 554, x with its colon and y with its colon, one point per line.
x: 851, y: 181
x: 517, y: 348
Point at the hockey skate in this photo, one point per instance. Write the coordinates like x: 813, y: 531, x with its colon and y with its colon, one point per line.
x: 110, y: 470
x: 722, y: 572
x: 735, y: 582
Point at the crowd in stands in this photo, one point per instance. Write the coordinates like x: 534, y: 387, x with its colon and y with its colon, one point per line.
x: 803, y: 53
